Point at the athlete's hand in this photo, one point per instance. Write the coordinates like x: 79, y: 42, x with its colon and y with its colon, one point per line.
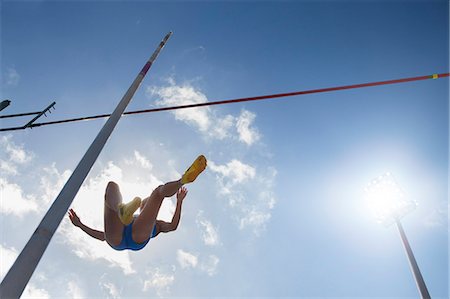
x: 181, y: 194
x: 74, y: 218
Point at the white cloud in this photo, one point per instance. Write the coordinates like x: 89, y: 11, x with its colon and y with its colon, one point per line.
x: 236, y: 171
x: 172, y: 171
x: 268, y: 198
x: 222, y: 127
x: 438, y: 217
x: 233, y: 173
x: 207, y: 265
x: 14, y: 202
x: 186, y: 259
x: 257, y: 212
x: 254, y: 218
x: 7, y: 167
x: 174, y: 95
x: 12, y: 77
x: 111, y: 289
x: 159, y: 281
x: 167, y: 210
x: 210, y: 236
x: 15, y: 156
x: 205, y: 119
x: 7, y: 258
x: 111, y: 172
x: 142, y: 161
x: 253, y: 206
x: 247, y: 134
x: 16, y: 153
x: 33, y: 292
x: 74, y: 291
x: 52, y: 181
x: 210, y: 265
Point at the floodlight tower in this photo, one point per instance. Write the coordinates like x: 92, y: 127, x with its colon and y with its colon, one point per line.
x: 389, y: 204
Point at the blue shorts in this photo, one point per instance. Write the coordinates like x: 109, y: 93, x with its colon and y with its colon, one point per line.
x: 127, y: 240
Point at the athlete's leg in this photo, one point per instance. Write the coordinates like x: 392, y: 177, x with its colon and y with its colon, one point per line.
x: 169, y: 189
x: 143, y: 225
x: 113, y: 226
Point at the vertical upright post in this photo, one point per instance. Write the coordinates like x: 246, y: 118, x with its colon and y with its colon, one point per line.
x: 412, y: 262
x: 20, y: 273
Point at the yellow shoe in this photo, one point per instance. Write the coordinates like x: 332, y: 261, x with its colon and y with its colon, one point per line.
x: 126, y: 211
x: 196, y: 168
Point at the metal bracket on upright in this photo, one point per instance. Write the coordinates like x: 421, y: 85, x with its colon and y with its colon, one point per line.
x: 30, y: 123
x: 4, y: 104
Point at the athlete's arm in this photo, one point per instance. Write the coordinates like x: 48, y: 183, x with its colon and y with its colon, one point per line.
x: 165, y: 227
x: 99, y: 235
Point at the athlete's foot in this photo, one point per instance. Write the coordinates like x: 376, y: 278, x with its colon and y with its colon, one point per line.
x: 196, y: 168
x: 126, y: 211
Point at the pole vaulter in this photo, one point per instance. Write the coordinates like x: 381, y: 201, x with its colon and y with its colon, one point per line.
x: 20, y: 273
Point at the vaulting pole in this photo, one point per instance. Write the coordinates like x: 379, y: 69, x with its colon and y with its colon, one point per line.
x: 20, y: 273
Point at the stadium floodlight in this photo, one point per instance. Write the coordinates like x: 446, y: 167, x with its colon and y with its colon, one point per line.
x: 387, y: 201
x: 389, y: 204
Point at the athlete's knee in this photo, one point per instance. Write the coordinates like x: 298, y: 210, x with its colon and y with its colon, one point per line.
x: 111, y: 187
x: 158, y: 193
x: 159, y: 190
x: 112, y: 184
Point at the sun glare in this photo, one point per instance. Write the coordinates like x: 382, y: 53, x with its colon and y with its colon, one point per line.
x: 387, y: 200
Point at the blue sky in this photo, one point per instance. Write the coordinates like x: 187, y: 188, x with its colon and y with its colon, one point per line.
x: 280, y: 210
